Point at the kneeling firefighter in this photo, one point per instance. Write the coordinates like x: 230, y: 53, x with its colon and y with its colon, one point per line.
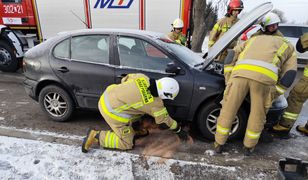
x: 262, y: 66
x: 122, y: 104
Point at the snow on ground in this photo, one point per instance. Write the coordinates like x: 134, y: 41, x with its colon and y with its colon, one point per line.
x: 29, y: 159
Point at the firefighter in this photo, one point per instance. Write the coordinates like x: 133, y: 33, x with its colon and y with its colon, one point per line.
x: 122, y: 104
x: 176, y: 33
x: 296, y: 99
x: 262, y: 66
x: 223, y: 25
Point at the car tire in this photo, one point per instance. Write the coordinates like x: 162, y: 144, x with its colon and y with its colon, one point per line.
x: 8, y: 60
x: 56, y: 103
x: 207, y: 119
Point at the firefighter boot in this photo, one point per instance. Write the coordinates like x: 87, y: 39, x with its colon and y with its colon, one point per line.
x: 281, y: 131
x: 248, y: 151
x: 92, y: 137
x: 218, y: 148
x: 303, y: 129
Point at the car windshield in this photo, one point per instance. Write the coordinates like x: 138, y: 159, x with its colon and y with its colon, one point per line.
x: 186, y: 55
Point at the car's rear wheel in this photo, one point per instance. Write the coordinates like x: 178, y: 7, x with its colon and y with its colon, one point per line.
x: 207, y: 120
x: 8, y: 60
x: 56, y: 103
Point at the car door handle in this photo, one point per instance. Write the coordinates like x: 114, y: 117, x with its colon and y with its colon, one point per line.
x: 121, y: 76
x: 63, y: 69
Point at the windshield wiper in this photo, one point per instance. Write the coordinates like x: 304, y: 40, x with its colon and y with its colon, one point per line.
x: 199, y: 64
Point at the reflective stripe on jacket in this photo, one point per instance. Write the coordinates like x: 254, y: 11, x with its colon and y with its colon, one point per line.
x: 306, y: 71
x: 220, y: 28
x: 264, y: 58
x: 178, y: 38
x: 132, y: 99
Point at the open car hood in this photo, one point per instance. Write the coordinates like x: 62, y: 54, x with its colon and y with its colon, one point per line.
x: 236, y: 30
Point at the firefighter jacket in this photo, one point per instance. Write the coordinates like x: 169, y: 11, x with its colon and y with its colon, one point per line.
x: 131, y: 99
x: 269, y: 59
x: 177, y: 37
x: 220, y: 28
x: 302, y: 43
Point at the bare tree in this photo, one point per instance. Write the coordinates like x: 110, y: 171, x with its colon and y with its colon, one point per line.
x: 204, y: 16
x: 281, y: 15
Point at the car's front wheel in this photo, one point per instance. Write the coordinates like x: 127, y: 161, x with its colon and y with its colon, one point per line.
x: 207, y: 120
x: 56, y: 103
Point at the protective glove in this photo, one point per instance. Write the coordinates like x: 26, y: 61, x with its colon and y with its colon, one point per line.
x: 183, y: 135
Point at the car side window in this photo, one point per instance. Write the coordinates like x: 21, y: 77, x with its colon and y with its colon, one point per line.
x: 304, y: 30
x: 90, y: 48
x: 289, y: 31
x: 62, y: 49
x: 137, y: 53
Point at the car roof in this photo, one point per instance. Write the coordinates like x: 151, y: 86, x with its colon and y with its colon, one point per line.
x: 149, y: 34
x: 289, y: 24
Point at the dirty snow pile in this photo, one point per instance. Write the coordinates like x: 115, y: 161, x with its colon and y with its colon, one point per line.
x: 29, y: 159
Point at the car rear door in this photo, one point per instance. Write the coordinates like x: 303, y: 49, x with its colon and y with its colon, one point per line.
x: 88, y: 71
x: 137, y: 55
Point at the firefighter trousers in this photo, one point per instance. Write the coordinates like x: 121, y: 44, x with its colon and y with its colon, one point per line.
x: 236, y: 90
x: 121, y: 136
x: 296, y: 99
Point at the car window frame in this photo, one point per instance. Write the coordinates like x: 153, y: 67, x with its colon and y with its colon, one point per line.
x: 111, y: 52
x: 69, y: 49
x: 91, y: 62
x: 117, y: 54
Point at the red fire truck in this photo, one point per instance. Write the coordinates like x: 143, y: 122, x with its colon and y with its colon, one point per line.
x: 25, y: 23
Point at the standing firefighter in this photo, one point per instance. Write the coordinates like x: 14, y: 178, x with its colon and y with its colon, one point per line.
x: 176, y: 34
x: 123, y: 103
x: 296, y: 98
x: 261, y: 65
x: 223, y: 25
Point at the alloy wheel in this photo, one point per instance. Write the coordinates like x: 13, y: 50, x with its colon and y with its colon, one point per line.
x: 211, y: 121
x: 55, y: 104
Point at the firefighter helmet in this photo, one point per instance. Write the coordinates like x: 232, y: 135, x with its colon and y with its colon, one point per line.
x: 235, y: 5
x: 269, y: 19
x: 178, y: 23
x: 167, y: 88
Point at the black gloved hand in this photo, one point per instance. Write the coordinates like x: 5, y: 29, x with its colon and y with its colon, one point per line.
x: 183, y: 135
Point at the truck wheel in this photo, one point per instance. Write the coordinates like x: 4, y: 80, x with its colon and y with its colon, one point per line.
x: 8, y: 60
x: 207, y: 120
x: 56, y: 103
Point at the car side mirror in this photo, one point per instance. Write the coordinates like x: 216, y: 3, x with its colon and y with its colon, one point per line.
x: 173, y: 69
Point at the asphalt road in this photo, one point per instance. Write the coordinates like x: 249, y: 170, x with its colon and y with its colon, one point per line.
x: 21, y: 117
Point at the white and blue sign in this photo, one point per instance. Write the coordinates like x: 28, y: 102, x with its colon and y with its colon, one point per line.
x: 125, y: 4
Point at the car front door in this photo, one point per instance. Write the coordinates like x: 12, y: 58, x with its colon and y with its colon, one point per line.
x: 136, y: 55
x: 88, y: 72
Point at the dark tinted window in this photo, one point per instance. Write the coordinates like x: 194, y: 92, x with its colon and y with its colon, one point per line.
x: 290, y: 31
x: 11, y: 1
x: 92, y: 48
x: 304, y: 30
x: 62, y: 49
x: 140, y: 54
